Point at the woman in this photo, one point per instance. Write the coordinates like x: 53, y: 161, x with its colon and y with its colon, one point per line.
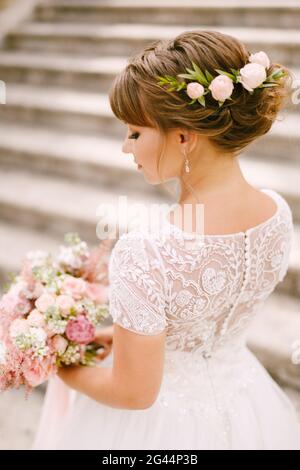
x: 181, y: 375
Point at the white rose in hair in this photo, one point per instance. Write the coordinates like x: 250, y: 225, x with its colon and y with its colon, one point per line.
x: 195, y: 90
x: 252, y: 75
x: 260, y: 58
x: 221, y: 87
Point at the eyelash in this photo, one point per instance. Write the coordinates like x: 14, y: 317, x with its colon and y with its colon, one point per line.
x: 132, y: 135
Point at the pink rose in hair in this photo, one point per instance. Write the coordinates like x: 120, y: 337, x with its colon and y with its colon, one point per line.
x: 260, y: 58
x: 252, y: 75
x: 221, y: 87
x: 195, y: 90
x: 80, y: 330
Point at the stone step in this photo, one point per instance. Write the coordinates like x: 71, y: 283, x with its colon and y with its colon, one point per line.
x: 277, y: 175
x: 126, y: 39
x: 85, y: 158
x: 89, y: 73
x: 94, y: 160
x: 90, y: 112
x: 79, y: 111
x: 281, y: 143
x: 272, y: 338
x: 16, y: 241
x: 257, y: 13
x: 55, y: 206
x: 19, y: 425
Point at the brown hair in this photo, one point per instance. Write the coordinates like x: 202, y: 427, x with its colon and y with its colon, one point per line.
x: 136, y: 98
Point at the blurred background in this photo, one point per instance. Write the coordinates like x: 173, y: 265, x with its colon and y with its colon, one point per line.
x: 60, y: 146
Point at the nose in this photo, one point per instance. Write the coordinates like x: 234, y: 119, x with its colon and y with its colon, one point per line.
x: 126, y: 146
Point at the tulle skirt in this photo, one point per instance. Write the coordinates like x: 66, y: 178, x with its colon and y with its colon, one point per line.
x: 228, y: 401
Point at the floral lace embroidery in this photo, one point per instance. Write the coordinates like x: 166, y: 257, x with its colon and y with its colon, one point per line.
x: 204, y: 295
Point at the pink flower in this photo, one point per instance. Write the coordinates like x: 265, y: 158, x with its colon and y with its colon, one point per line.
x: 18, y: 327
x: 59, y: 343
x: 35, y: 291
x: 252, y: 75
x: 13, y: 302
x: 44, y: 301
x: 35, y: 318
x: 37, y: 371
x: 195, y: 90
x: 65, y: 303
x: 80, y: 330
x: 260, y: 58
x: 75, y: 287
x: 97, y: 292
x: 221, y: 87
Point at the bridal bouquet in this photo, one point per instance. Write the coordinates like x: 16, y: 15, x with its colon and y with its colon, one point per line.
x: 49, y: 315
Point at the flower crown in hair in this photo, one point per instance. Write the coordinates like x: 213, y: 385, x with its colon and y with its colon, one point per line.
x: 253, y: 75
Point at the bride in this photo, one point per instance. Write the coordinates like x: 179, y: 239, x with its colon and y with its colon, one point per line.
x: 176, y: 372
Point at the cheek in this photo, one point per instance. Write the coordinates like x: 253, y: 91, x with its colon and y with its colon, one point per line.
x: 146, y: 153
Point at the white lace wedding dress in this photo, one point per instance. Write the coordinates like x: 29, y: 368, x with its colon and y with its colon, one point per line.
x: 215, y: 394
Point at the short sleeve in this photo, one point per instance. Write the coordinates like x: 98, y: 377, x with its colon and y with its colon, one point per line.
x: 137, y: 284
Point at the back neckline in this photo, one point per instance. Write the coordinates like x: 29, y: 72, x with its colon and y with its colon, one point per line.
x: 275, y: 198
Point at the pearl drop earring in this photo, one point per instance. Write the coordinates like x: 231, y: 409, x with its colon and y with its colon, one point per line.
x: 187, y: 168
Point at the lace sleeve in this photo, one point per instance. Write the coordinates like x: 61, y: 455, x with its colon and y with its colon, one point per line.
x: 137, y: 285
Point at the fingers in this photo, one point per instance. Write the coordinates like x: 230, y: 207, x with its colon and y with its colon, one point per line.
x: 103, y: 353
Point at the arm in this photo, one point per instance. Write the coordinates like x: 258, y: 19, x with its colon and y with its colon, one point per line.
x: 135, y: 378
x: 137, y: 307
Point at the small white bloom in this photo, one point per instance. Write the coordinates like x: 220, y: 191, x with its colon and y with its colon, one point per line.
x: 38, y: 335
x: 67, y: 257
x: 37, y: 257
x: 260, y: 58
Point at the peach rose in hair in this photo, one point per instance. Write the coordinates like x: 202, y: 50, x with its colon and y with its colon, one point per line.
x: 252, y: 75
x: 260, y: 58
x: 221, y: 87
x: 195, y: 90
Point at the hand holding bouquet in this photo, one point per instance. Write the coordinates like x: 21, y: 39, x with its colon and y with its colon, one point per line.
x: 50, y: 314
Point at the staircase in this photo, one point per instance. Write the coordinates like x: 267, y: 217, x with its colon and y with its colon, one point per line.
x: 60, y: 146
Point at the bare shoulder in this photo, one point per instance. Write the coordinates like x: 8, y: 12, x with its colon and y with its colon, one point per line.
x: 239, y: 212
x: 264, y: 205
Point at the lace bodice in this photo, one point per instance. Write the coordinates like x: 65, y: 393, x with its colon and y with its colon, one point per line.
x: 204, y: 293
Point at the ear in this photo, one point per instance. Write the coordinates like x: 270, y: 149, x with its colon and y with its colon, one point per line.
x: 188, y: 139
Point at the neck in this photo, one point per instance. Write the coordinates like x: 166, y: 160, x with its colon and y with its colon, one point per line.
x: 222, y: 177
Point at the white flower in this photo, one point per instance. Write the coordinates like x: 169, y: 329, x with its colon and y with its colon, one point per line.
x: 37, y: 257
x: 18, y: 327
x: 195, y: 90
x: 260, y: 58
x: 252, y: 75
x: 2, y: 353
x: 38, y: 336
x: 221, y: 87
